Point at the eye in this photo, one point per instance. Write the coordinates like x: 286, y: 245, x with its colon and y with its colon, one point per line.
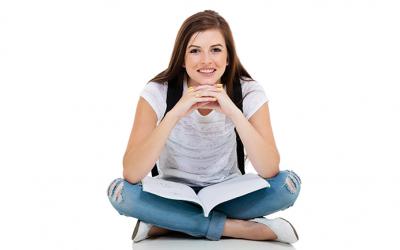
x: 216, y: 50
x: 194, y: 51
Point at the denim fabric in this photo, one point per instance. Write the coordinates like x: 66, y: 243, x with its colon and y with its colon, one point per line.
x: 182, y: 216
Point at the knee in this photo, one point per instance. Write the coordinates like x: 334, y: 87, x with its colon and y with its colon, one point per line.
x: 288, y: 184
x: 293, y: 182
x: 124, y: 196
x: 114, y: 190
x: 292, y: 185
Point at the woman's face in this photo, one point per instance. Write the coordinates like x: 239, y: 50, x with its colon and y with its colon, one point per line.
x: 206, y: 57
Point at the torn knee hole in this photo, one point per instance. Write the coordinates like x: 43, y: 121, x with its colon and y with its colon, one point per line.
x: 296, y: 176
x: 291, y: 184
x: 115, y: 190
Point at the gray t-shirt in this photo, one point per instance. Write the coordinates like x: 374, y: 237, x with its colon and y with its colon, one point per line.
x: 201, y: 150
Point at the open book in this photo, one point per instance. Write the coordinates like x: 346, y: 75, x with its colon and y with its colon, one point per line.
x: 209, y: 196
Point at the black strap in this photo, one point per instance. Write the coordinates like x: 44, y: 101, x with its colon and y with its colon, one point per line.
x: 174, y: 93
x: 238, y: 100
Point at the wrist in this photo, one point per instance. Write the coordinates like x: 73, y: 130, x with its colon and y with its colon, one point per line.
x: 173, y: 115
x: 236, y: 114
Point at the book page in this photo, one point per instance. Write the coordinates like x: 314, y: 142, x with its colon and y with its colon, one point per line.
x: 238, y: 186
x: 169, y: 189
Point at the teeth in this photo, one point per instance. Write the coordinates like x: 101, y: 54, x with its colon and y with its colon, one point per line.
x: 206, y: 70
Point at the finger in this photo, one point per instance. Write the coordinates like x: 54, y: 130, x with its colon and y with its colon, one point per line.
x: 213, y: 93
x: 206, y: 99
x: 215, y: 89
x: 204, y: 94
x: 213, y: 86
x: 204, y: 87
x: 210, y: 105
x: 201, y: 104
x: 218, y: 90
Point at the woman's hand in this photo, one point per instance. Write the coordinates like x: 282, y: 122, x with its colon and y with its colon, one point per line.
x: 193, y: 99
x: 205, y: 97
x: 223, y: 102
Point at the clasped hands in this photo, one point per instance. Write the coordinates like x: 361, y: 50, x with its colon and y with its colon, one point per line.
x: 212, y: 97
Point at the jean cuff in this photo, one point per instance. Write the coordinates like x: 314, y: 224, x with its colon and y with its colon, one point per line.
x: 216, y: 226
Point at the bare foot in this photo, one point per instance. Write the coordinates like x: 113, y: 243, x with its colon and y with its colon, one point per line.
x: 157, y: 231
x: 249, y: 230
x: 262, y: 232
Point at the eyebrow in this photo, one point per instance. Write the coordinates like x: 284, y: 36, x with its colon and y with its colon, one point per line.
x: 215, y: 45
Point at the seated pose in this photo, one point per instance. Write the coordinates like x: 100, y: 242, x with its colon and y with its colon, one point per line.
x: 193, y: 122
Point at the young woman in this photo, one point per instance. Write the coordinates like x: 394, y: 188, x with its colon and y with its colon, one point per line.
x: 195, y: 143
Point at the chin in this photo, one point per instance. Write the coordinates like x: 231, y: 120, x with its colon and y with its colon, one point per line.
x: 205, y: 81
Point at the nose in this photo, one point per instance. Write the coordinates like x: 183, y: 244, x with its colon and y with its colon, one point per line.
x: 206, y: 58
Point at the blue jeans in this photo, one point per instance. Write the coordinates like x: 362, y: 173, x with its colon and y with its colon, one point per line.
x: 182, y: 216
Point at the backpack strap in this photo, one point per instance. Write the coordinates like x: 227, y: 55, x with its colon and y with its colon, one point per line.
x: 174, y: 93
x: 238, y: 100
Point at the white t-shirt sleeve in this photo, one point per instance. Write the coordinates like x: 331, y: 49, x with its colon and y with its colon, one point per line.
x: 253, y: 97
x: 156, y: 95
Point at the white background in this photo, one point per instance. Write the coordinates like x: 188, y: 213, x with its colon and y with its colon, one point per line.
x: 71, y: 72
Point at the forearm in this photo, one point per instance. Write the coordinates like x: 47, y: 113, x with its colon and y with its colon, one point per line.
x: 139, y: 161
x: 263, y: 155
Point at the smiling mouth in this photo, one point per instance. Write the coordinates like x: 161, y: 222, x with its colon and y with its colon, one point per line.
x: 208, y: 71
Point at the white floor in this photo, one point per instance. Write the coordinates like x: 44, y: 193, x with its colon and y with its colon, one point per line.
x: 178, y: 242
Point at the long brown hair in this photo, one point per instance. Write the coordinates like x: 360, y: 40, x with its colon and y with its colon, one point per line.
x: 202, y: 21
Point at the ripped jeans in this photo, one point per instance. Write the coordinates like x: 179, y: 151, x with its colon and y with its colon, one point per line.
x: 182, y: 216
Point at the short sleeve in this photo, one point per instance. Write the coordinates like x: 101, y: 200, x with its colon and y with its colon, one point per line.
x: 253, y: 97
x: 156, y: 94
